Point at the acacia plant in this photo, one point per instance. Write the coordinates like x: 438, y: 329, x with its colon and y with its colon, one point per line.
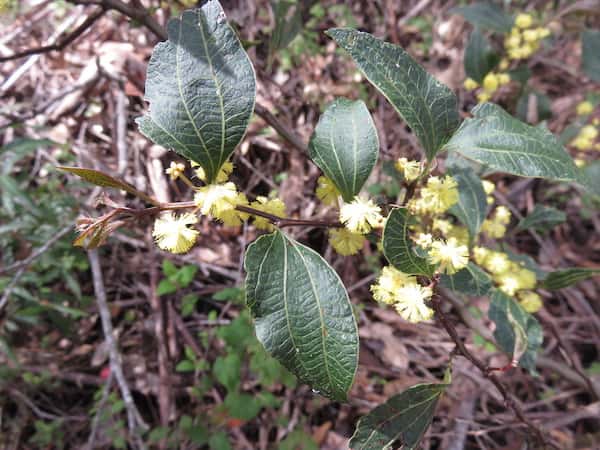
x: 443, y: 234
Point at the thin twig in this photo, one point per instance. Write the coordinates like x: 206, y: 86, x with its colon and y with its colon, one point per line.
x: 101, y: 403
x: 282, y: 129
x: 60, y: 44
x: 134, y: 418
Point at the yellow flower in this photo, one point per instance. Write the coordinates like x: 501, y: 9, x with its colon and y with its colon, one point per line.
x: 504, y: 64
x: 490, y: 83
x: 222, y: 176
x: 480, y: 255
x: 360, y: 215
x: 470, y: 84
x: 493, y: 229
x: 389, y: 281
x: 410, y: 302
x: 580, y: 162
x: 424, y: 240
x: 449, y: 255
x: 508, y: 283
x: 483, y: 97
x: 439, y: 194
x: 274, y: 206
x: 530, y: 36
x: 496, y: 262
x: 214, y: 199
x: 460, y: 233
x: 326, y: 191
x: 175, y: 170
x: 513, y: 41
x: 523, y: 20
x: 503, y: 78
x: 516, y: 279
x: 346, y: 242
x: 530, y: 301
x: 442, y: 225
x: 589, y: 132
x: 489, y: 188
x: 584, y: 108
x: 502, y: 215
x: 172, y: 233
x: 232, y: 217
x: 409, y: 169
x: 542, y: 32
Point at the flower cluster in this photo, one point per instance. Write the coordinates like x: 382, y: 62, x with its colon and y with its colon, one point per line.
x: 495, y: 226
x: 585, y: 139
x: 403, y: 292
x: 490, y: 84
x: 524, y: 39
x: 511, y: 277
x: 410, y: 170
x: 173, y: 233
x: 438, y: 195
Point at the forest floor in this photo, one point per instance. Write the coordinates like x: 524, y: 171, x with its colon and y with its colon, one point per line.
x: 196, y: 373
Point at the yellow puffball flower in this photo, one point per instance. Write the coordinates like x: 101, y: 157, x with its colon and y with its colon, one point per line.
x: 589, y: 132
x: 542, y: 32
x: 527, y: 278
x: 490, y: 83
x: 503, y: 78
x: 502, y: 215
x: 496, y: 263
x: 424, y: 240
x: 449, y: 255
x: 173, y: 233
x: 579, y: 162
x: 232, y: 217
x: 326, y: 191
x: 175, y: 170
x: 274, y: 206
x: 460, y: 233
x: 508, y: 283
x: 584, y: 108
x: 439, y: 194
x: 388, y: 282
x: 488, y: 187
x: 581, y: 143
x: 442, y: 225
x: 493, y: 229
x: 483, y: 97
x: 530, y: 301
x: 470, y: 84
x: 360, y: 215
x: 214, y: 199
x: 504, y: 63
x: 222, y: 176
x: 530, y: 35
x: 523, y: 20
x: 513, y: 41
x: 480, y: 254
x: 409, y: 169
x: 410, y: 302
x: 346, y: 242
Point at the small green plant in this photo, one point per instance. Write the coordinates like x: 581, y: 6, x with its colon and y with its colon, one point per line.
x: 443, y: 232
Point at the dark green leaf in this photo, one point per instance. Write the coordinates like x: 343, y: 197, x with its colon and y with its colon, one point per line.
x: 542, y: 217
x: 470, y: 281
x: 428, y: 106
x: 486, y: 16
x: 480, y: 57
x: 566, y: 277
x: 536, y: 101
x: 471, y: 208
x: 302, y: 313
x: 185, y: 366
x: 404, y: 417
x: 201, y: 89
x: 288, y: 23
x: 226, y: 371
x: 589, y: 177
x: 219, y: 441
x: 345, y: 145
x: 517, y: 332
x: 242, y: 406
x: 495, y: 138
x: 590, y: 53
x: 397, y: 246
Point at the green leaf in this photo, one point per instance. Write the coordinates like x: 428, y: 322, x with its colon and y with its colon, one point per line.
x: 517, y: 332
x: 426, y: 105
x: 495, y: 138
x: 542, y: 217
x: 480, y: 57
x: 226, y: 370
x: 101, y: 179
x: 471, y: 280
x: 345, y: 145
x: 566, y: 277
x: 589, y: 177
x: 397, y: 246
x: 219, y: 441
x: 165, y: 287
x: 486, y: 16
x: 242, y: 406
x: 590, y: 53
x: 404, y: 417
x: 302, y: 313
x: 185, y: 366
x: 288, y: 23
x: 201, y: 88
x: 471, y: 208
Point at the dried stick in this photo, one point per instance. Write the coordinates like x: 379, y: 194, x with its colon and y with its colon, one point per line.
x: 282, y: 129
x: 134, y: 419
x: 60, y: 44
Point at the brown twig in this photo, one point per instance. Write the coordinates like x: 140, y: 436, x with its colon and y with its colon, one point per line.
x: 462, y: 350
x: 60, y: 44
x: 282, y: 129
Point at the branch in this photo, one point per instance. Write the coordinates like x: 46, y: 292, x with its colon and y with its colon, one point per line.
x: 134, y: 418
x: 282, y: 129
x: 60, y: 44
x: 138, y: 14
x: 461, y: 349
